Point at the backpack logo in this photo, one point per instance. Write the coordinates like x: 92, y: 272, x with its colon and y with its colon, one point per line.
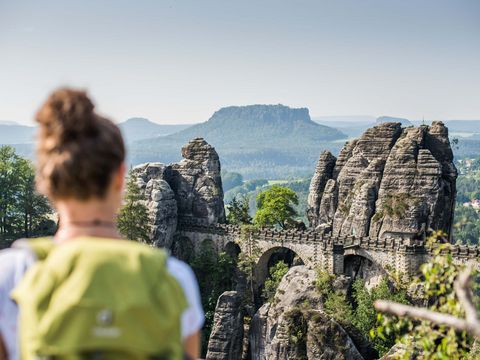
x: 105, y: 317
x: 105, y: 328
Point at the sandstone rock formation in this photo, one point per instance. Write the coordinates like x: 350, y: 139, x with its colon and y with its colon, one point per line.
x: 392, y: 181
x: 197, y: 184
x: 160, y: 202
x: 295, y: 309
x: 190, y: 190
x: 227, y: 332
x: 323, y: 173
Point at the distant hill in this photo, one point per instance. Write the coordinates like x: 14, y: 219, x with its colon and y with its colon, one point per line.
x: 344, y: 119
x: 468, y: 126
x: 259, y: 141
x: 8, y: 122
x: 251, y: 139
x: 384, y: 119
x: 13, y: 133
x: 355, y: 126
x: 139, y: 128
x: 269, y: 124
x: 133, y: 129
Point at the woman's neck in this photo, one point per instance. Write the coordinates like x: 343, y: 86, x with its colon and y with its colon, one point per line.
x: 86, y: 218
x: 68, y: 233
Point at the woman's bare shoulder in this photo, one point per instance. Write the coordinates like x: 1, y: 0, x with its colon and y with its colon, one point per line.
x: 13, y: 264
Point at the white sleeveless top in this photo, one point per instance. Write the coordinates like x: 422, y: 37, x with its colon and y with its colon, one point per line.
x: 15, y: 262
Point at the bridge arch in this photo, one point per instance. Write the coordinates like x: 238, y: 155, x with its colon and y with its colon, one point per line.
x: 360, y: 264
x: 358, y: 252
x: 232, y: 249
x: 208, y: 244
x: 269, y: 258
x: 183, y: 248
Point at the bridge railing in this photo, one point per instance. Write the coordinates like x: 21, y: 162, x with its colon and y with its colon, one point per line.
x: 327, y: 241
x: 266, y: 234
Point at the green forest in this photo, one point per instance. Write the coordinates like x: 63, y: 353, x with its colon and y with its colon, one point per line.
x: 23, y: 212
x: 467, y: 218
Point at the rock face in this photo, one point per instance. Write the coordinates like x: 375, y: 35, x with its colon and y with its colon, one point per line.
x: 296, y: 309
x: 197, y: 184
x: 227, y: 332
x: 190, y: 190
x: 323, y: 173
x: 160, y: 202
x: 390, y: 182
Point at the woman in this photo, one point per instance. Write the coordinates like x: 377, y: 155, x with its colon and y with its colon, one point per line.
x: 80, y: 167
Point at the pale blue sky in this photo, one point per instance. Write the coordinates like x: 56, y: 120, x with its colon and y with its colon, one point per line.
x: 179, y: 61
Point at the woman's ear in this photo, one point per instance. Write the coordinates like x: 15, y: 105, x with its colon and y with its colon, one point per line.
x: 119, y: 178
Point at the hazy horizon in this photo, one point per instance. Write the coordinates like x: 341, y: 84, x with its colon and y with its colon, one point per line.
x: 339, y: 118
x: 177, y: 62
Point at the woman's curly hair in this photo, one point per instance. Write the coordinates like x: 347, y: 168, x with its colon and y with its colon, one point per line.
x: 77, y: 150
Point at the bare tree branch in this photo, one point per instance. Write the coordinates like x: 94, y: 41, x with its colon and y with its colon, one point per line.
x: 464, y: 294
x: 414, y: 312
x: 471, y: 324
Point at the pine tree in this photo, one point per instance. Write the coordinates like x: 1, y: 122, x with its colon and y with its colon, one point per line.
x: 247, y: 260
x: 133, y: 221
x: 34, y: 208
x: 238, y: 211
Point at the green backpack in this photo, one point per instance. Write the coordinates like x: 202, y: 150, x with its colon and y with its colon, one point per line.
x: 96, y: 298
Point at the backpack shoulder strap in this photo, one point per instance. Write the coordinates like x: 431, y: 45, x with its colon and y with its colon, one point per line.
x: 40, y: 247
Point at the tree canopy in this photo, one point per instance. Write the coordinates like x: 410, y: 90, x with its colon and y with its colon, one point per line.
x: 23, y: 212
x: 275, y: 207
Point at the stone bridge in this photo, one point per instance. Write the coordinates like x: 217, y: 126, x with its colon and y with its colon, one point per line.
x: 337, y: 255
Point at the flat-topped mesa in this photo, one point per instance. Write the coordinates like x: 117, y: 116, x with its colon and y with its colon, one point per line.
x: 391, y: 182
x: 188, y: 191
